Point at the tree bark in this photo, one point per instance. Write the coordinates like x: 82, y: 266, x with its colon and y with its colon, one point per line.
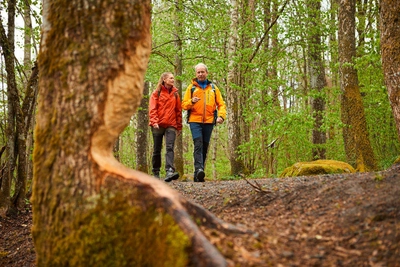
x: 273, y: 74
x: 355, y: 133
x: 24, y: 124
x: 7, y: 43
x: 317, y: 79
x: 178, y: 71
x: 88, y: 209
x: 390, y: 51
x: 233, y: 96
x: 19, y: 123
x: 142, y: 130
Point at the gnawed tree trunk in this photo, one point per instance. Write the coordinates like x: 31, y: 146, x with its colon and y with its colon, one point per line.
x: 89, y: 209
x: 390, y: 50
x: 355, y: 133
x: 142, y: 130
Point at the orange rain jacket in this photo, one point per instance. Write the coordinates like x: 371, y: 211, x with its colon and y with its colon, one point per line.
x: 165, y: 108
x: 203, y: 110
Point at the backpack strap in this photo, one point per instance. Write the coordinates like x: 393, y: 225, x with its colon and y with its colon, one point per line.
x: 194, y: 88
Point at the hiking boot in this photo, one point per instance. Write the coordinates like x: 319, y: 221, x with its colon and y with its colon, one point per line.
x: 199, y: 176
x: 156, y: 175
x: 171, y: 175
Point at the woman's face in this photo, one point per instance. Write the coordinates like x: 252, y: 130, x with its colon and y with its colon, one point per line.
x: 169, y: 81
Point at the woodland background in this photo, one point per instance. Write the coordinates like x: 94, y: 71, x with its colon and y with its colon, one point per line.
x: 278, y: 63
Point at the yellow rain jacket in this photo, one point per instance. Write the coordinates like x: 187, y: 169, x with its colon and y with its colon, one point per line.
x: 210, y: 100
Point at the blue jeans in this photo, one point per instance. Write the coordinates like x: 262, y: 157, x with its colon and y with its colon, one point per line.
x: 158, y: 134
x: 201, y: 134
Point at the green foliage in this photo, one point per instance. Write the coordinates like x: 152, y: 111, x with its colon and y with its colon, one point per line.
x: 127, y: 152
x: 273, y: 136
x: 277, y: 136
x: 288, y: 129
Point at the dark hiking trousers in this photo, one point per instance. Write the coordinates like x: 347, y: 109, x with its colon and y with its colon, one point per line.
x: 201, y: 134
x: 170, y: 136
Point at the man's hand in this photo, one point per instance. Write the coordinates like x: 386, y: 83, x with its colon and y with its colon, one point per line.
x: 195, y: 99
x: 156, y: 126
x: 220, y: 120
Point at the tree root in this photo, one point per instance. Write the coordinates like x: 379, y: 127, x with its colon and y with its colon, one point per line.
x: 209, y: 220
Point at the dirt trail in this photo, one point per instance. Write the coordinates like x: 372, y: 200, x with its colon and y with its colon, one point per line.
x: 326, y: 220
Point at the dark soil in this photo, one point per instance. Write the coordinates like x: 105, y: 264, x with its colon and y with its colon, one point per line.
x: 325, y: 220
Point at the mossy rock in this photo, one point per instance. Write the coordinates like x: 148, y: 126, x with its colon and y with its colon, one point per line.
x: 317, y: 167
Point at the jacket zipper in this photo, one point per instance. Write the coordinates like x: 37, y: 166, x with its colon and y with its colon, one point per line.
x: 204, y: 106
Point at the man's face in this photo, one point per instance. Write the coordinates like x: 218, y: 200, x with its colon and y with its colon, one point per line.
x: 201, y: 73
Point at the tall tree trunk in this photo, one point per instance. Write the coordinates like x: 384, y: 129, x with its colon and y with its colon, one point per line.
x: 317, y: 79
x: 269, y: 160
x: 266, y: 158
x: 24, y: 116
x: 19, y: 117
x: 275, y: 91
x: 390, y: 51
x: 214, y: 153
x: 24, y: 124
x: 333, y: 42
x: 233, y: 96
x: 142, y: 130
x: 89, y: 209
x: 27, y: 38
x: 178, y: 28
x: 356, y: 140
x: 361, y: 6
x: 7, y: 44
x: 27, y: 66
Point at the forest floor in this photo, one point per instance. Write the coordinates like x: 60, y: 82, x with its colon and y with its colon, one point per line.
x: 324, y: 220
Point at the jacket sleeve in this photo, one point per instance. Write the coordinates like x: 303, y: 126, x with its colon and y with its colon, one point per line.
x: 153, y: 114
x: 187, y: 98
x: 220, y: 103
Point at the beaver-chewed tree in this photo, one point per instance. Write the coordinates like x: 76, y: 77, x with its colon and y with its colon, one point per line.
x: 88, y: 209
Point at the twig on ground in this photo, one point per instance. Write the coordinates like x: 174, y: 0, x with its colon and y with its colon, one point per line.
x: 258, y: 187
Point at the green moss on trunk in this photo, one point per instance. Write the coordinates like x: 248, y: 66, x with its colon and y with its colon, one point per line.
x: 115, y: 233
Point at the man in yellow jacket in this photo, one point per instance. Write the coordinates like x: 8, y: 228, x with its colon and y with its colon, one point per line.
x: 204, y: 102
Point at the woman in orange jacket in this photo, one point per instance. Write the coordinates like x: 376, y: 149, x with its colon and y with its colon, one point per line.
x: 204, y: 101
x: 165, y: 113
